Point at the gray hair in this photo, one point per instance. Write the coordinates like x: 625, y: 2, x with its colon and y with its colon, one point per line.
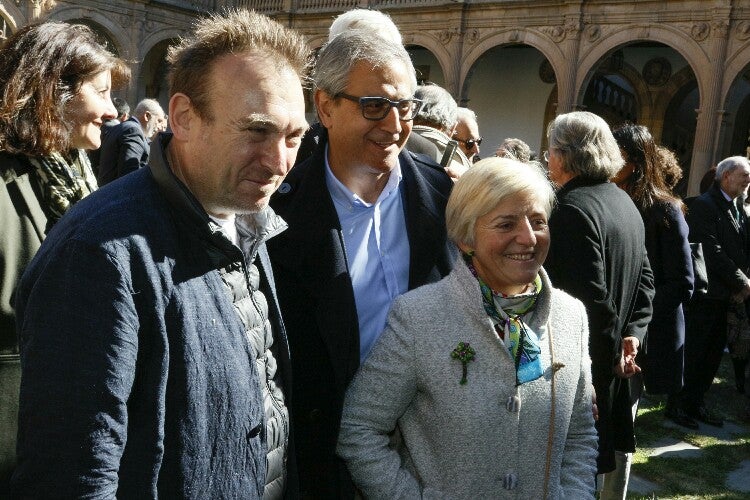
x: 465, y: 114
x: 485, y: 185
x: 729, y: 164
x: 515, y: 149
x: 439, y: 109
x: 148, y: 105
x: 586, y: 145
x: 337, y: 58
x: 371, y: 21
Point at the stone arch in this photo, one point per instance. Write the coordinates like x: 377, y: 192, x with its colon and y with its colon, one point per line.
x: 115, y: 33
x: 642, y: 96
x: 734, y: 66
x: 542, y: 43
x: 13, y: 16
x: 157, y: 37
x: 437, y: 49
x: 433, y: 76
x: 316, y: 42
x: 152, y: 77
x: 670, y: 36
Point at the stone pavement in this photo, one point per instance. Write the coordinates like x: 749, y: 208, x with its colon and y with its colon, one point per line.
x: 737, y: 480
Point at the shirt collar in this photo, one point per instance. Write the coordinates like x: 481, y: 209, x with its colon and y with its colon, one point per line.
x: 726, y: 196
x: 343, y: 195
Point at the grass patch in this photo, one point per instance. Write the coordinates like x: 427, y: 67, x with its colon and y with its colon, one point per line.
x: 702, y: 477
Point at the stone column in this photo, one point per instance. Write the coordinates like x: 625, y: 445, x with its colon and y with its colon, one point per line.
x: 710, y: 115
x: 452, y: 39
x: 566, y: 80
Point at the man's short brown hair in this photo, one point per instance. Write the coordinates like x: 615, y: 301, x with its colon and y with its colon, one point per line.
x: 233, y: 32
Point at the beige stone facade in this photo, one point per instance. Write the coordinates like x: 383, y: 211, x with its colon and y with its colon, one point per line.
x: 681, y: 67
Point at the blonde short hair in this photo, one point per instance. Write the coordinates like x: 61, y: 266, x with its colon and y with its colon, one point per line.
x: 485, y: 185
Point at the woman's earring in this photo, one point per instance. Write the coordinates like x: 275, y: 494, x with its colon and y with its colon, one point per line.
x: 470, y: 253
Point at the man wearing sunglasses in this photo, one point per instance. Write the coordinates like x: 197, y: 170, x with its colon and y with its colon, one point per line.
x: 467, y: 134
x: 366, y: 224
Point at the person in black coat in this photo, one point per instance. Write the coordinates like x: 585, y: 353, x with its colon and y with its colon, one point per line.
x: 124, y: 150
x: 335, y: 280
x: 642, y: 177
x: 717, y: 220
x: 126, y: 147
x: 598, y: 255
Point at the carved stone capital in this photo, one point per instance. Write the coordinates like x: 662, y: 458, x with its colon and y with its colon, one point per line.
x: 573, y: 28
x: 720, y: 28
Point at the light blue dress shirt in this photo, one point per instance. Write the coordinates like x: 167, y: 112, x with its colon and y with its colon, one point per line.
x: 377, y: 251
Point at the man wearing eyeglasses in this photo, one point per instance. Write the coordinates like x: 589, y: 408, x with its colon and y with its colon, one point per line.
x: 467, y: 133
x: 366, y: 224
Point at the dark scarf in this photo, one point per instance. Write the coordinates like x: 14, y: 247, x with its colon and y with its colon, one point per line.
x: 63, y: 181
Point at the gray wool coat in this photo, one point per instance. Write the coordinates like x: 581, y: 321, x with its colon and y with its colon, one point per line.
x: 487, y: 438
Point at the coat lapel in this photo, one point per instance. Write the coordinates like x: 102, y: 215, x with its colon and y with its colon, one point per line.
x: 323, y: 270
x: 21, y: 184
x: 424, y: 224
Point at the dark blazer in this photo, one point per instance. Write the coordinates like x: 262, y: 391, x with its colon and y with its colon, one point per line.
x: 669, y: 256
x: 124, y: 149
x: 725, y: 242
x: 22, y: 226
x: 317, y: 300
x: 598, y: 255
x: 95, y: 155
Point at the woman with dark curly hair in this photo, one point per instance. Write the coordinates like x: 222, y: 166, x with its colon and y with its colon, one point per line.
x: 55, y: 82
x: 643, y: 178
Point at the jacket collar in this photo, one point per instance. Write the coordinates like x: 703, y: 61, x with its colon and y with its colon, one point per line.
x: 578, y: 181
x: 716, y: 192
x: 259, y: 226
x: 471, y: 301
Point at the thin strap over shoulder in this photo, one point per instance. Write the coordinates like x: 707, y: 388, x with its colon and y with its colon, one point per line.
x: 450, y: 149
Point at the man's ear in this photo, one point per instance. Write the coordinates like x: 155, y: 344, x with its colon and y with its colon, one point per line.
x: 324, y: 104
x: 181, y: 115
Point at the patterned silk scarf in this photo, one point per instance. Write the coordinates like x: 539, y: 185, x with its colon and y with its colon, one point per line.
x: 508, y: 312
x: 63, y: 181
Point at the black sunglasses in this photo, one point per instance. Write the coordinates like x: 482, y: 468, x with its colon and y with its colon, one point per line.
x: 377, y: 108
x: 469, y: 142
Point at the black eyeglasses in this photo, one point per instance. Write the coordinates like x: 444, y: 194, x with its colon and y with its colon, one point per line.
x: 469, y: 142
x: 377, y: 108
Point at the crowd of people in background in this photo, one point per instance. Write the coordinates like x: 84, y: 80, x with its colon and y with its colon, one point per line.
x: 227, y: 301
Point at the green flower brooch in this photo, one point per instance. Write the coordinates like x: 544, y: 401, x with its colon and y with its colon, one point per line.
x: 464, y: 353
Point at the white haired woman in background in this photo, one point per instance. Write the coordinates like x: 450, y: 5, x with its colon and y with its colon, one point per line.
x: 598, y: 255
x: 486, y: 373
